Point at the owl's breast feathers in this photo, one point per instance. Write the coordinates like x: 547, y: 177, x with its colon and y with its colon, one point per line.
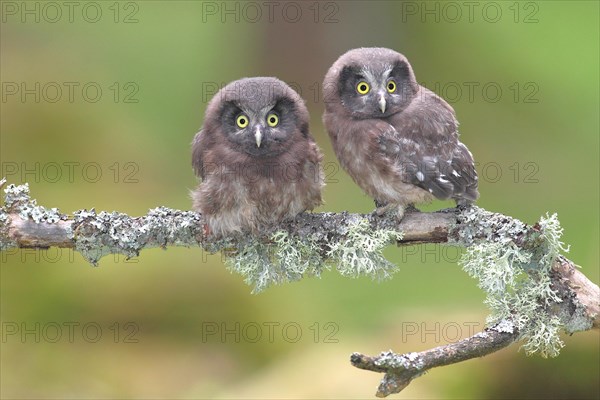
x: 240, y: 192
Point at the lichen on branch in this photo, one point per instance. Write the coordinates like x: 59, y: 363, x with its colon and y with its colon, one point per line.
x: 283, y: 258
x: 288, y: 257
x: 516, y: 280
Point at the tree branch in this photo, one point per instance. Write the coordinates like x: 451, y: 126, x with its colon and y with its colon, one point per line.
x: 24, y: 224
x: 578, y: 295
x: 400, y: 370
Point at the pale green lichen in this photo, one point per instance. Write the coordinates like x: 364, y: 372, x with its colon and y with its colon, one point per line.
x: 286, y: 258
x: 298, y: 256
x: 17, y: 199
x: 360, y: 253
x: 103, y: 233
x: 552, y: 232
x: 493, y: 263
x: 403, y: 362
x: 14, y: 195
x: 5, y: 241
x: 518, y: 285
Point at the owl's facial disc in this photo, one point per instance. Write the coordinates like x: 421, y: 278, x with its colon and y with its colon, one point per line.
x: 375, y: 91
x: 259, y: 131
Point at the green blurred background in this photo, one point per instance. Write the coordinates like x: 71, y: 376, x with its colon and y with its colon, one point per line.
x: 522, y: 77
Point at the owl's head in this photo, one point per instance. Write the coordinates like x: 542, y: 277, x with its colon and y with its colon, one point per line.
x: 258, y: 116
x: 370, y: 83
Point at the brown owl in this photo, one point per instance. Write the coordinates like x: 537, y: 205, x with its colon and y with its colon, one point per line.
x: 256, y: 157
x: 395, y: 138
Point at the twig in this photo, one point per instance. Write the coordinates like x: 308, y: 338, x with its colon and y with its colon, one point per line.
x: 400, y: 370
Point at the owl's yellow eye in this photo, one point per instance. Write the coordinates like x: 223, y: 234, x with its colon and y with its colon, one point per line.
x: 391, y: 86
x: 362, y: 87
x: 272, y: 120
x: 242, y: 121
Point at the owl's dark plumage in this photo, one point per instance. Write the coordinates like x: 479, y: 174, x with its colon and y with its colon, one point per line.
x: 395, y: 138
x: 256, y: 157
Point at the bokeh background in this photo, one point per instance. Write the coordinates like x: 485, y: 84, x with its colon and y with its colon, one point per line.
x: 523, y: 78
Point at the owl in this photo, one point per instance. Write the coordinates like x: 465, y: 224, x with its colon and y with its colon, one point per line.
x: 396, y: 139
x: 257, y: 160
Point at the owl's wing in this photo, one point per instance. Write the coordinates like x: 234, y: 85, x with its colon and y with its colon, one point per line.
x: 423, y: 145
x: 463, y: 175
x: 197, y: 154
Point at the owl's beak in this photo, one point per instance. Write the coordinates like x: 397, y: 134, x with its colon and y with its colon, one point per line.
x: 382, y: 102
x: 258, y: 135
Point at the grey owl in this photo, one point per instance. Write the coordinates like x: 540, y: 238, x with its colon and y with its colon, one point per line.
x: 256, y: 157
x: 395, y: 138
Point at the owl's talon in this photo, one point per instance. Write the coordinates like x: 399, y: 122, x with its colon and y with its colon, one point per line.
x: 393, y: 210
x: 379, y: 204
x: 400, y: 213
x: 383, y: 209
x: 462, y: 204
x: 411, y: 209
